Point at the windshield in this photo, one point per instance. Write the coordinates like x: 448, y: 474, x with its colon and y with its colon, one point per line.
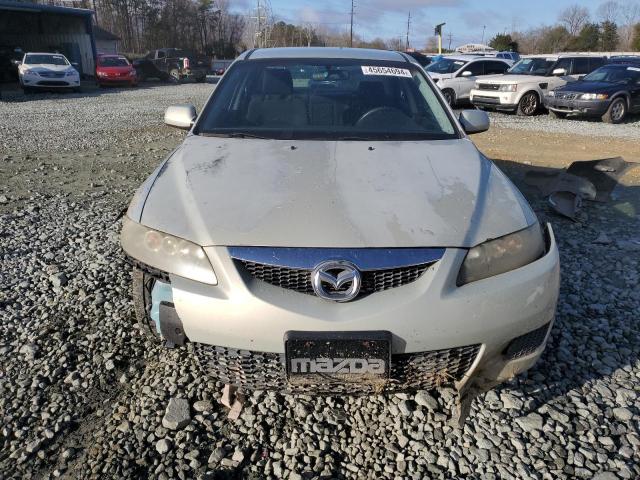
x: 614, y: 74
x: 113, y: 62
x: 45, y: 59
x: 335, y: 99
x: 532, y: 66
x: 446, y: 65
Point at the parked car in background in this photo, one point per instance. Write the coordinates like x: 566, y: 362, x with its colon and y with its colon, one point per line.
x: 610, y: 92
x: 523, y: 87
x: 513, y: 56
x: 218, y: 67
x: 47, y: 71
x: 457, y: 75
x: 363, y: 244
x: 10, y: 58
x: 422, y: 59
x: 172, y: 64
x: 115, y: 70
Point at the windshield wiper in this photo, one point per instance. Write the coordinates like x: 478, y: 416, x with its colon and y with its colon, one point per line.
x: 234, y: 135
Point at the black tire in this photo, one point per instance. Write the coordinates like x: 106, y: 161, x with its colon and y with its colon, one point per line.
x: 201, y: 79
x: 449, y: 96
x: 528, y: 104
x: 141, y: 287
x: 553, y: 114
x: 174, y: 75
x: 76, y: 90
x: 617, y: 111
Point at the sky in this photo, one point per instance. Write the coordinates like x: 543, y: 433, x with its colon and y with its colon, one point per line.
x: 388, y: 18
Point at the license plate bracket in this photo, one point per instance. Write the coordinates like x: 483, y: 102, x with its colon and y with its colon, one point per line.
x: 321, y: 358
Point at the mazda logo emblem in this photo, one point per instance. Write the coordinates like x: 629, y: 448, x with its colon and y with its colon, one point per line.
x: 336, y: 280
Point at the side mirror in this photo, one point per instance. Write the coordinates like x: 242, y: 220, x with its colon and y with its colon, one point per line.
x: 558, y: 72
x: 474, y: 121
x: 181, y: 116
x: 466, y: 73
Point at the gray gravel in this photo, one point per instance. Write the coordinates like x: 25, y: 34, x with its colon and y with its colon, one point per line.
x: 83, y: 396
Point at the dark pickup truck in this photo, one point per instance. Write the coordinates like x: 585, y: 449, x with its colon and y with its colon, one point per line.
x: 172, y: 64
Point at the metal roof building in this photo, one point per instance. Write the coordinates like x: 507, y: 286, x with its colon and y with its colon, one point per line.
x: 46, y: 28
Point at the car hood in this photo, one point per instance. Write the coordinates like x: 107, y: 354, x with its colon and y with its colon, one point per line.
x: 592, y: 87
x: 219, y: 191
x: 439, y: 76
x: 504, y: 79
x: 119, y: 69
x: 50, y: 68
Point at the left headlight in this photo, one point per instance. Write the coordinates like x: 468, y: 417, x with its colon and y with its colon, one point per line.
x: 166, y: 252
x: 502, y: 254
x: 594, y: 96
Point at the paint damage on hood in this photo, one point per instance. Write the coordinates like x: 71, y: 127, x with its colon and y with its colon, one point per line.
x: 340, y: 194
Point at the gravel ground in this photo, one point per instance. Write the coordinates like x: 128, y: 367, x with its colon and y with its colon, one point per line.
x: 83, y: 396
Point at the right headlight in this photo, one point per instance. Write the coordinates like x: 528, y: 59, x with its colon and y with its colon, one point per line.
x: 166, y: 252
x: 502, y: 254
x: 510, y: 87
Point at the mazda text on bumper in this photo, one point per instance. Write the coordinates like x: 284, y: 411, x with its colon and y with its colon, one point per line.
x: 328, y: 226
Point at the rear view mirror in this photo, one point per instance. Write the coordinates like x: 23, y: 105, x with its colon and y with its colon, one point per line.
x: 181, y: 116
x: 466, y: 73
x: 474, y: 121
x: 559, y: 71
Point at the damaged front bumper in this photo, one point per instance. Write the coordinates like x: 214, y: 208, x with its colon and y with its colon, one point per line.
x: 470, y: 337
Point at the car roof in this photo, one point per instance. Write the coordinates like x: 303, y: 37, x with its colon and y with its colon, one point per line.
x: 44, y: 53
x: 323, y: 52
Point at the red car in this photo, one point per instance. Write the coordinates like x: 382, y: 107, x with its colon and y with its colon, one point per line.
x: 115, y: 70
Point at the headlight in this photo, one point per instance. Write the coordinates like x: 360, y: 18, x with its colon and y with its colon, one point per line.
x: 511, y: 87
x: 71, y: 73
x: 27, y: 71
x: 594, y: 96
x: 102, y: 74
x: 551, y: 93
x: 166, y: 252
x: 503, y: 254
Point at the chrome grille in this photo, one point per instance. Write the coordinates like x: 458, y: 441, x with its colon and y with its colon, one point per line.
x: 52, y: 74
x: 567, y: 95
x: 266, y: 371
x: 300, y: 279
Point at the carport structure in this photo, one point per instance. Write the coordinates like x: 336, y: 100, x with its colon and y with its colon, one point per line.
x: 46, y: 28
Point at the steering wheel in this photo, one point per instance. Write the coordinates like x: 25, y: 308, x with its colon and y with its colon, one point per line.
x: 386, y: 114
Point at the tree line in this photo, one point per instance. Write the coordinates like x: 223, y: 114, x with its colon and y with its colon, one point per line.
x: 615, y: 26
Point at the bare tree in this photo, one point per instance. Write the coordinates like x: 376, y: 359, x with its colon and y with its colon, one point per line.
x: 574, y: 18
x: 609, y: 11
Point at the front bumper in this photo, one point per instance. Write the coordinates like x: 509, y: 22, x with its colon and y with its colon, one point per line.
x: 37, y: 81
x: 507, y: 101
x: 116, y: 80
x: 441, y: 333
x: 583, y: 107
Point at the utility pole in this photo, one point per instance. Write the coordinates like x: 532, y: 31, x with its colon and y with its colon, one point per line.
x: 408, y: 27
x: 483, y: 28
x: 351, y: 33
x: 449, y: 42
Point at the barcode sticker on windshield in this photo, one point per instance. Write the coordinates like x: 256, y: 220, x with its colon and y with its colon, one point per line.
x: 392, y: 71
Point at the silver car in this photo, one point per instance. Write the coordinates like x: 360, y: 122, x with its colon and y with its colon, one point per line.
x: 328, y: 225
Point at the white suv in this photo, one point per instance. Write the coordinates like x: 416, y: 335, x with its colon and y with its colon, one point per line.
x: 457, y: 75
x: 522, y: 88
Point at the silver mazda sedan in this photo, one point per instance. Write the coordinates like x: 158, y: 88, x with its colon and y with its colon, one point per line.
x: 327, y: 225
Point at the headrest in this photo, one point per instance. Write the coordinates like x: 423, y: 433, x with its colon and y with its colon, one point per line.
x: 277, y: 82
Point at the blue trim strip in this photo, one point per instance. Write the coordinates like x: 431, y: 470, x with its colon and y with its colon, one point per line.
x: 363, y: 258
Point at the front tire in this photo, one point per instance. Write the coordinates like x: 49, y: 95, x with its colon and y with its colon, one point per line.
x: 616, y: 112
x: 174, y: 75
x: 142, y: 285
x: 528, y: 104
x: 450, y: 96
